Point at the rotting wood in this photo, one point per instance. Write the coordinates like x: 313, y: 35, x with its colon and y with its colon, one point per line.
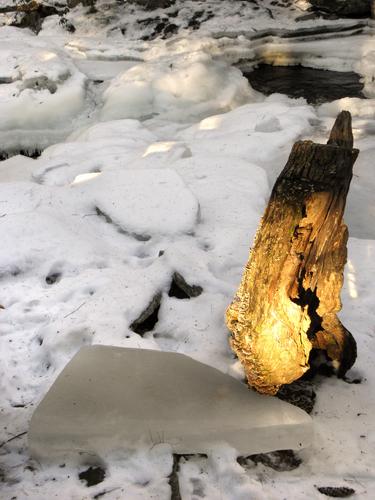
x: 289, y: 295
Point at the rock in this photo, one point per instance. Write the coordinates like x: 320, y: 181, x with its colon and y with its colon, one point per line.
x: 67, y: 25
x: 31, y: 15
x: 340, y: 492
x: 182, y: 290
x: 108, y: 398
x: 148, y: 318
x: 86, y: 3
x: 344, y: 8
x: 282, y: 460
x: 300, y: 393
x: 53, y: 278
x: 154, y: 4
x: 92, y: 476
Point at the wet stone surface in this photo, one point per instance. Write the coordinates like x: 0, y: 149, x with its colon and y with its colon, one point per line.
x: 334, y: 492
x: 92, y: 476
x: 315, y: 85
x: 281, y: 460
x: 300, y: 393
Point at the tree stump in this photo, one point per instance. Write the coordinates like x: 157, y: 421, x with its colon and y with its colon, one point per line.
x: 289, y: 295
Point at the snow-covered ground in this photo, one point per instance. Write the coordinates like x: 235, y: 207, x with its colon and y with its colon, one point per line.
x: 159, y: 158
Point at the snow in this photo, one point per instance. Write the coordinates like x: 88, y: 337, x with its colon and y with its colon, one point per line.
x: 70, y: 278
x: 43, y: 90
x: 145, y: 202
x: 181, y: 88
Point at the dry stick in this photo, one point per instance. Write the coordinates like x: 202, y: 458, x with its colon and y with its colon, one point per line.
x: 173, y: 478
x: 75, y: 310
x: 289, y: 295
x: 12, y: 439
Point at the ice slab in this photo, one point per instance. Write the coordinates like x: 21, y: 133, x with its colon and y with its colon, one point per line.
x: 108, y: 398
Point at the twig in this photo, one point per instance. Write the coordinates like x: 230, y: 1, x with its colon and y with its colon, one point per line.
x: 75, y: 310
x: 12, y: 438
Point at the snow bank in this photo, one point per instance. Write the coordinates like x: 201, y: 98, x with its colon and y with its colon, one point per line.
x: 276, y: 122
x: 179, y: 89
x: 103, y: 146
x: 352, y: 53
x: 363, y: 108
x: 41, y: 89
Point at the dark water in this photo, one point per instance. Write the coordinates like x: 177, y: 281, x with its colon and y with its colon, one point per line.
x: 315, y: 85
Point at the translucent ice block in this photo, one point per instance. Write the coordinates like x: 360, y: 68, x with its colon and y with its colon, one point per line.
x: 108, y: 398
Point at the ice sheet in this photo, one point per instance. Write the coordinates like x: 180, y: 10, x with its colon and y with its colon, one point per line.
x: 109, y: 398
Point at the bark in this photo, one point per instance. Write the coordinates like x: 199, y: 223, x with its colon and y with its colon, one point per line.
x: 289, y: 295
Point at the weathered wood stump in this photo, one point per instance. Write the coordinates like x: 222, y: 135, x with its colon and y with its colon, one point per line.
x: 289, y: 295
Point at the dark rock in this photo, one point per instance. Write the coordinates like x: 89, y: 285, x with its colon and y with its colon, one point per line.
x: 194, y: 22
x: 344, y: 8
x: 148, y: 318
x: 169, y: 30
x: 86, y: 3
x: 182, y: 290
x: 199, y: 18
x: 53, y: 278
x: 281, y: 461
x: 154, y: 4
x: 33, y: 15
x: 92, y: 476
x: 161, y: 27
x: 300, y: 393
x: 67, y: 25
x: 341, y: 492
x: 32, y: 153
x: 358, y: 380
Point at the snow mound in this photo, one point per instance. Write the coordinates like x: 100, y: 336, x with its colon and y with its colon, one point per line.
x: 189, y: 87
x: 43, y: 234
x: 131, y: 131
x: 41, y: 89
x: 143, y: 202
x: 364, y: 108
x: 276, y: 122
x: 103, y: 146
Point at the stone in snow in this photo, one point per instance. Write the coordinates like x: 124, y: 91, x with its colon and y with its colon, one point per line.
x: 108, y: 398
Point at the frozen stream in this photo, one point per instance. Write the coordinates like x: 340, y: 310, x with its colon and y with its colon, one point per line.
x: 315, y: 85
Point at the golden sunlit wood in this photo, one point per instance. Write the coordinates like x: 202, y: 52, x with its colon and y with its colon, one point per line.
x: 289, y: 295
